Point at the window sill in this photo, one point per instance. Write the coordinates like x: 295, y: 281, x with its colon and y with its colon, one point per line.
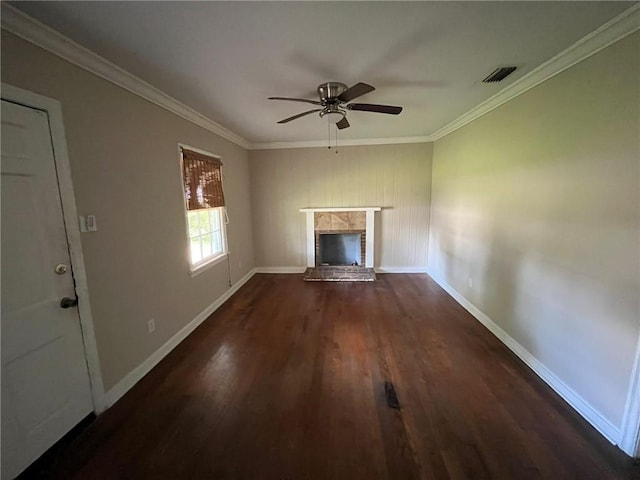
x: 195, y: 271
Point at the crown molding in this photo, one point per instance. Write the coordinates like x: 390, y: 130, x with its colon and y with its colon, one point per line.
x: 31, y: 30
x: 341, y: 143
x: 614, y: 30
x: 37, y: 33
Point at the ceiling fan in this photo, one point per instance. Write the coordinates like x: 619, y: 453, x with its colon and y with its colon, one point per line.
x: 334, y: 98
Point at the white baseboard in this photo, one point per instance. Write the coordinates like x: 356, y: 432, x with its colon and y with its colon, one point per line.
x: 135, y: 375
x: 590, y: 414
x: 377, y: 269
x: 630, y: 437
x: 401, y: 269
x: 280, y: 269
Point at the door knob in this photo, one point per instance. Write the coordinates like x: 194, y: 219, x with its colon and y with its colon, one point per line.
x: 67, y: 302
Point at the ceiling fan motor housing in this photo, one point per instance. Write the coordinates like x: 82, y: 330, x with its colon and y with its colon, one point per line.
x: 329, y: 92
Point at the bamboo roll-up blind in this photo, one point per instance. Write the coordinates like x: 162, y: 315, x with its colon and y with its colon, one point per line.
x: 202, y: 180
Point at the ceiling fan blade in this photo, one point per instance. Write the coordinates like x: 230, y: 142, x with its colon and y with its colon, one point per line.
x: 287, y: 120
x: 344, y: 123
x: 354, y: 92
x: 313, y: 102
x: 370, y: 107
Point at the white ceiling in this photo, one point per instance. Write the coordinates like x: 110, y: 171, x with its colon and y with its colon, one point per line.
x: 224, y: 59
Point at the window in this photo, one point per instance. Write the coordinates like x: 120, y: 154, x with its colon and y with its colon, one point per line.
x: 204, y: 203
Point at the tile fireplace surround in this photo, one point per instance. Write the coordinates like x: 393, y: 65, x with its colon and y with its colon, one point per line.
x: 333, y: 219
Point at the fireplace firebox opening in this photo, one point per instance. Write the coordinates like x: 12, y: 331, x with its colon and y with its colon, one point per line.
x: 340, y: 249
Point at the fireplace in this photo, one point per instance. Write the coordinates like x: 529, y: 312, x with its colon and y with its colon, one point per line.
x: 339, y: 249
x: 340, y: 236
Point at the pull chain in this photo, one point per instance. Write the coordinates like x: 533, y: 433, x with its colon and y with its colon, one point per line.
x: 329, y: 135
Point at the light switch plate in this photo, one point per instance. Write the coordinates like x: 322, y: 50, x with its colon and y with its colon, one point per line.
x: 92, y: 226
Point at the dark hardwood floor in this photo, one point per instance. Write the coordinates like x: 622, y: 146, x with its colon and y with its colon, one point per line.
x: 286, y: 381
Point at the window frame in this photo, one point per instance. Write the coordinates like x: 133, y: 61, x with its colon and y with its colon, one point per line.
x: 202, y: 265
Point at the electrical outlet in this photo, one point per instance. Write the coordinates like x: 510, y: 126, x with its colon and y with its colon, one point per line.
x: 239, y: 264
x: 152, y: 325
x: 470, y: 282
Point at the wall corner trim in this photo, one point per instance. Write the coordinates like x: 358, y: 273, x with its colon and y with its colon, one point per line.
x: 135, y: 375
x: 31, y: 30
x: 615, y: 29
x: 579, y: 404
x: 630, y: 441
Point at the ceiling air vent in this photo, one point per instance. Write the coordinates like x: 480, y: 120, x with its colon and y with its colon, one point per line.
x: 499, y: 74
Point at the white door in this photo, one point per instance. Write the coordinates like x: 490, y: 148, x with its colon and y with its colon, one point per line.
x: 45, y: 383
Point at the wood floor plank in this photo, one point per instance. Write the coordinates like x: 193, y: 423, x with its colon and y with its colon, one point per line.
x: 286, y: 381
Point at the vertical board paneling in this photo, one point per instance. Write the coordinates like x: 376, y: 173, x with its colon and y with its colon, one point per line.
x: 395, y: 177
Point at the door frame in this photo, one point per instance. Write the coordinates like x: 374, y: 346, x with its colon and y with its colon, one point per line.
x: 53, y: 109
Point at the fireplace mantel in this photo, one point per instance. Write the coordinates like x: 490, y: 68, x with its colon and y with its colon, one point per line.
x: 370, y: 224
x: 341, y: 209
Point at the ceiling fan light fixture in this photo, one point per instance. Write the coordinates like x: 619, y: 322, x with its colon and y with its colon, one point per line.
x: 334, y: 116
